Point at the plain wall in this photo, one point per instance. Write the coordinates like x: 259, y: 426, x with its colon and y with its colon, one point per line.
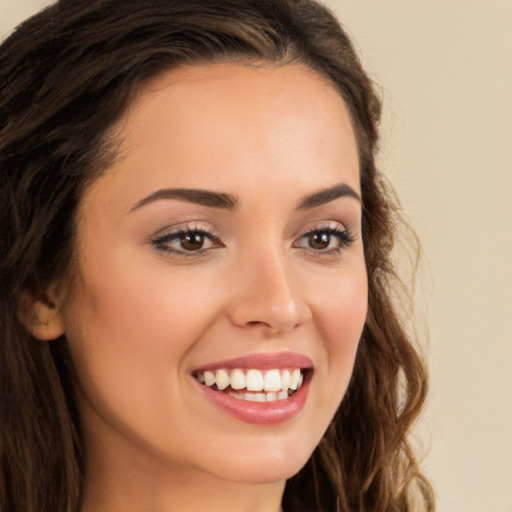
x: 444, y: 69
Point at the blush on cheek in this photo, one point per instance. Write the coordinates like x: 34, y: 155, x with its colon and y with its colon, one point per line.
x: 344, y: 316
x: 346, y: 307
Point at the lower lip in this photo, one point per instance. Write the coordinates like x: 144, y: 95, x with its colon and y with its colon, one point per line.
x: 260, y: 413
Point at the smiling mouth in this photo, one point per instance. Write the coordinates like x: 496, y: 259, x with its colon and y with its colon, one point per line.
x: 252, y: 384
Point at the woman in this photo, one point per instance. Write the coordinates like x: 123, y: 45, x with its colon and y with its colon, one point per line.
x: 195, y: 266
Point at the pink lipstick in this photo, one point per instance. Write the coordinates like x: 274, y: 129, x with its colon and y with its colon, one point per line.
x: 262, y: 389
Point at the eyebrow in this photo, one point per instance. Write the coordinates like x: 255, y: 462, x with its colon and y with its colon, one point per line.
x: 230, y: 202
x: 327, y: 195
x: 197, y: 196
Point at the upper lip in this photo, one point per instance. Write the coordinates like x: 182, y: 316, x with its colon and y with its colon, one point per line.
x: 262, y: 361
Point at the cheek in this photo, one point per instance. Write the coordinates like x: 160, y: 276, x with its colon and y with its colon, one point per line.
x: 343, y: 306
x: 341, y: 315
x: 345, y: 315
x: 132, y: 335
x: 133, y: 304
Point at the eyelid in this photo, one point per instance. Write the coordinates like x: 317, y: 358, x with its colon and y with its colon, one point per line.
x: 187, y: 221
x: 336, y: 229
x: 322, y: 224
x: 184, y: 227
x: 174, y: 235
x: 163, y: 239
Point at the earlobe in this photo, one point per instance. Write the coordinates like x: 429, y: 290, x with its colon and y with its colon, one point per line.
x: 41, y: 316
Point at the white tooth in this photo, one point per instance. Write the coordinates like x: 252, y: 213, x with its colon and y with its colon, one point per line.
x: 254, y: 380
x: 301, y: 380
x: 271, y: 397
x: 222, y: 378
x: 294, y: 381
x: 272, y: 381
x: 200, y: 377
x: 209, y: 378
x: 285, y: 380
x: 251, y: 397
x: 260, y: 397
x: 239, y: 396
x: 282, y: 395
x: 237, y: 379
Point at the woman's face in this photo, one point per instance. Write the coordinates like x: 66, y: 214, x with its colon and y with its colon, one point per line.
x: 222, y: 250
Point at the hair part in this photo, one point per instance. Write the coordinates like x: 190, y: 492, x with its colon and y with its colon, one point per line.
x: 68, y: 74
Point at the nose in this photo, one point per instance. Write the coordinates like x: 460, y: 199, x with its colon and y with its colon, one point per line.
x: 267, y: 296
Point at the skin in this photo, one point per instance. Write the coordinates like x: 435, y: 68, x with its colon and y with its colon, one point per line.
x: 139, y: 319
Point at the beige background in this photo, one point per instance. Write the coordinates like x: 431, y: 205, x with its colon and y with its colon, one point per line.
x: 445, y: 72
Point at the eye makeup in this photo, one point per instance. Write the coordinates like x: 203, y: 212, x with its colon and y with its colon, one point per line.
x: 326, y: 240
x: 189, y: 241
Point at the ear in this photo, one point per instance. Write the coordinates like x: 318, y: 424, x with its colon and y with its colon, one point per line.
x: 40, y: 314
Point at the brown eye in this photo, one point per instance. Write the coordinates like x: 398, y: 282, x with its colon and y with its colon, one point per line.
x: 319, y: 240
x: 326, y: 241
x: 192, y: 241
x: 188, y: 242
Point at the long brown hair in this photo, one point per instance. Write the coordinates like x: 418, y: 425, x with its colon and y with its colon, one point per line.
x: 67, y: 75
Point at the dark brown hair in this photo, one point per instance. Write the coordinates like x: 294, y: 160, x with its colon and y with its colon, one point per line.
x: 66, y: 76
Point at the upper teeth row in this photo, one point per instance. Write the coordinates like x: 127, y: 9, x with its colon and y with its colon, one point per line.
x: 253, y: 380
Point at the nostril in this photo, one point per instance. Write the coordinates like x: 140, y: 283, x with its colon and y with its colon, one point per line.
x: 273, y: 327
x: 268, y: 304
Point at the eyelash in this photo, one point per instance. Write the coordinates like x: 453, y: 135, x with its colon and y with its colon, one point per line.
x: 162, y: 243
x: 344, y: 237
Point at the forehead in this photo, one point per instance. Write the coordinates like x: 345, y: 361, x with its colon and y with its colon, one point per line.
x: 229, y: 81
x: 222, y: 125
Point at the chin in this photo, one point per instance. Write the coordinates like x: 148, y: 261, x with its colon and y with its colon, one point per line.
x: 263, y: 466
